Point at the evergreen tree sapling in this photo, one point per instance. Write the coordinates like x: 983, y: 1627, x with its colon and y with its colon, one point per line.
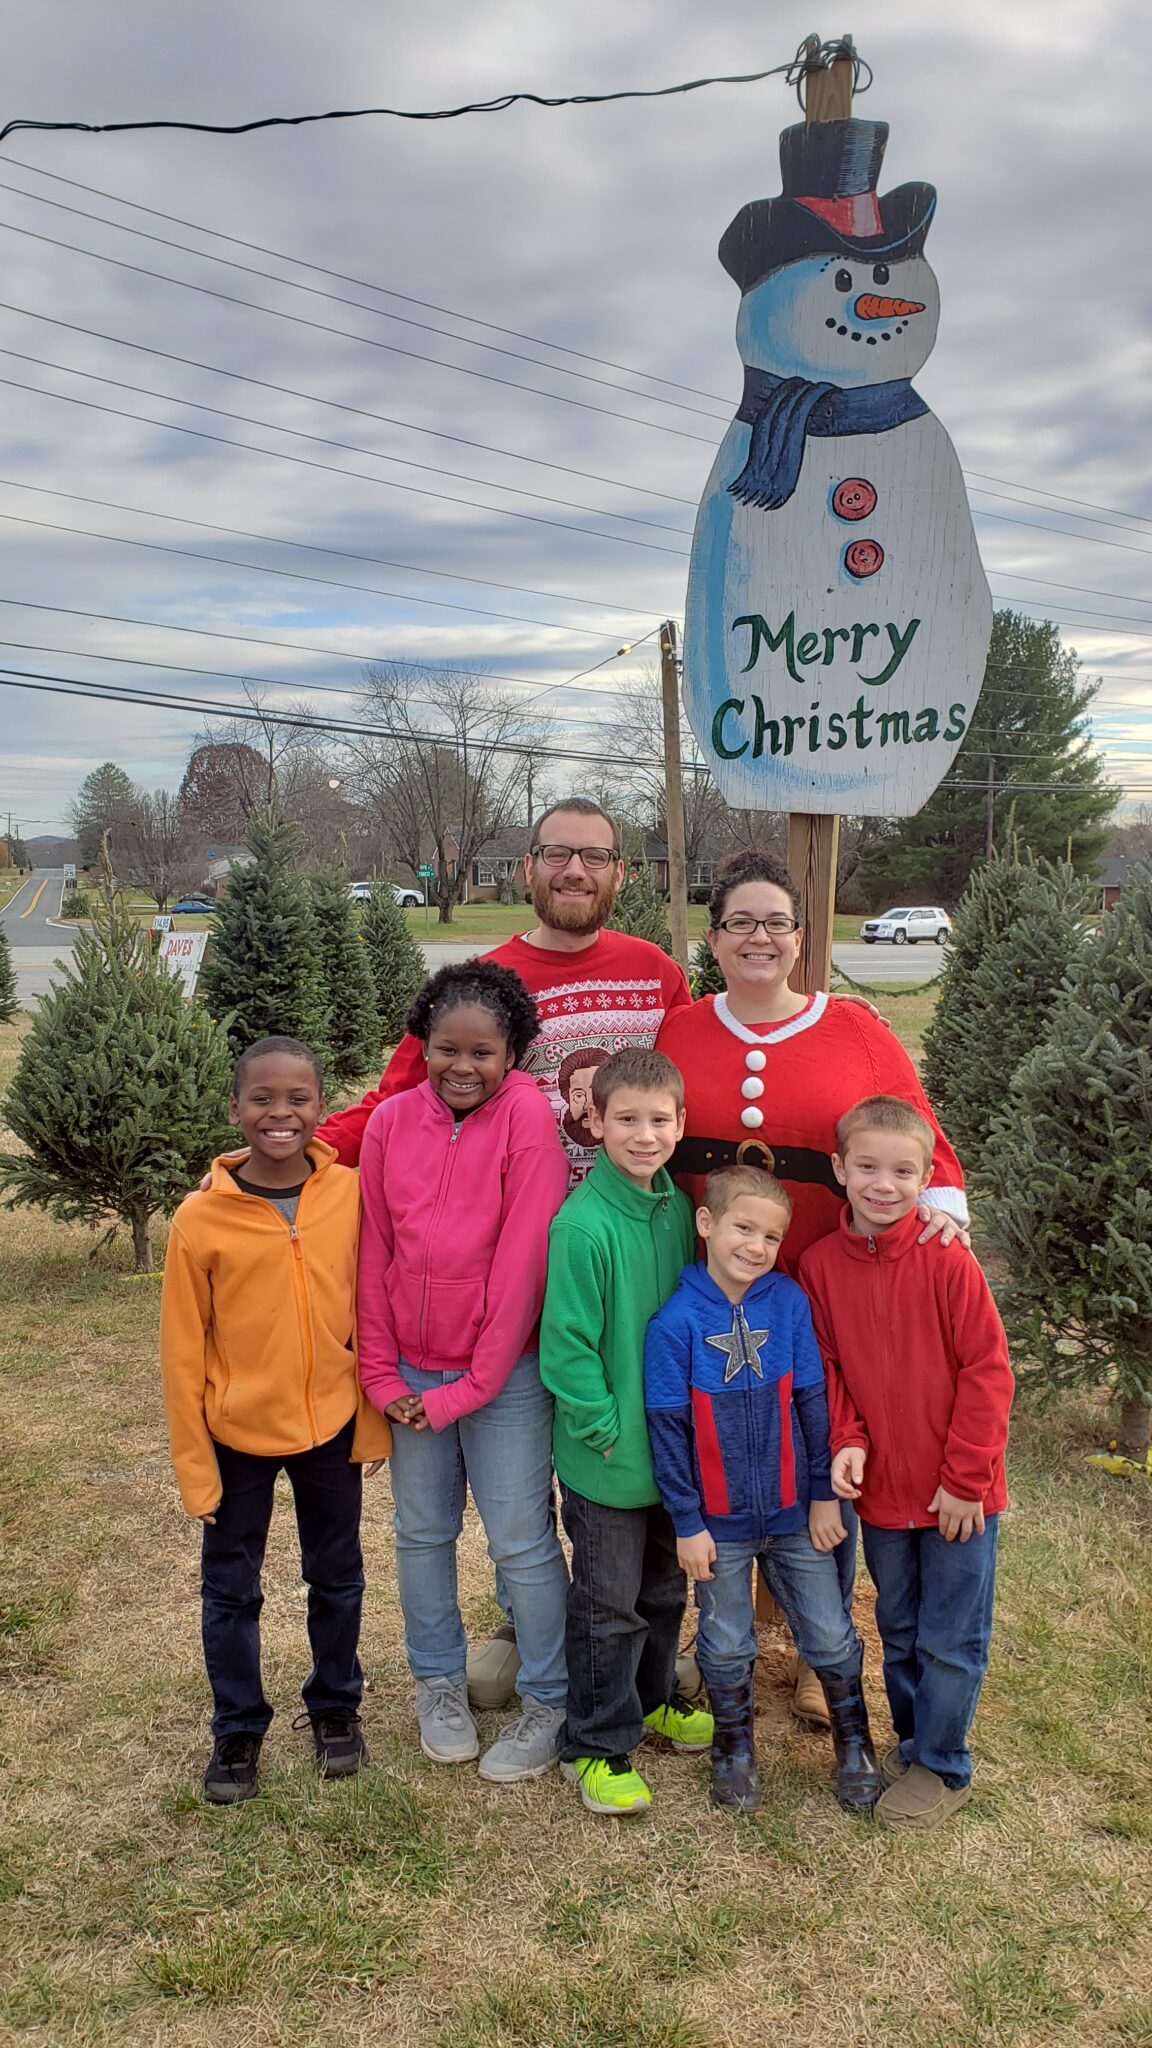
x: 9, y: 1003
x: 262, y: 975
x: 1014, y: 938
x: 1067, y: 1163
x: 641, y: 910
x: 395, y: 959
x: 354, y: 1039
x: 121, y: 1091
x: 704, y: 975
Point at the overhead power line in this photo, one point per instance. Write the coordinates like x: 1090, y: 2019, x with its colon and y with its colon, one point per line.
x: 456, y: 313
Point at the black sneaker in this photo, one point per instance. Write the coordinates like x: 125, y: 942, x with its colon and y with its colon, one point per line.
x: 340, y: 1747
x: 231, y: 1773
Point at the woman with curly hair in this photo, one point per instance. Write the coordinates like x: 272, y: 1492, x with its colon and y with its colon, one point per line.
x: 460, y: 1178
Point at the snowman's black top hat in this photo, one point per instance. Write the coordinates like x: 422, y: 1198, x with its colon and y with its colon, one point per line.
x: 829, y: 206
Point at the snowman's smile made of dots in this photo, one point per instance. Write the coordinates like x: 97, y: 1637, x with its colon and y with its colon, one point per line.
x: 842, y: 320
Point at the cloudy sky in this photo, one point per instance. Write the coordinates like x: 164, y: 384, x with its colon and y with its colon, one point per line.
x: 592, y: 230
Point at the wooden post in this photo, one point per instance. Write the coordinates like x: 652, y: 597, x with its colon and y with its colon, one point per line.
x: 814, y: 837
x: 674, y: 795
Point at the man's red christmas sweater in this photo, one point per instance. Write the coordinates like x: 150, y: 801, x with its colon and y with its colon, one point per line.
x: 608, y: 997
x: 917, y: 1368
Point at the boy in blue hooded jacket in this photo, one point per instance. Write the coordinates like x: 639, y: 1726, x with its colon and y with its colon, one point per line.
x: 738, y: 1421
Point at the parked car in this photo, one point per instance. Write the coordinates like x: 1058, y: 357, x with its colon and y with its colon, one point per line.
x: 408, y: 899
x: 906, y: 927
x: 194, y: 906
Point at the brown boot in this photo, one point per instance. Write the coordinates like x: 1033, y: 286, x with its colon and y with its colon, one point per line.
x: 920, y: 1800
x: 808, y: 1702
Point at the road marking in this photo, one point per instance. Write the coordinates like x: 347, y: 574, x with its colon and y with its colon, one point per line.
x: 11, y: 900
x: 36, y: 898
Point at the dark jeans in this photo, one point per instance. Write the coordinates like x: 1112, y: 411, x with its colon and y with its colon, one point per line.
x: 625, y: 1609
x: 934, y: 1613
x: 326, y: 1491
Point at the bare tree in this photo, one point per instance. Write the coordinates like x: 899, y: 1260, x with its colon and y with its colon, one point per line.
x: 152, y: 845
x: 451, y: 768
x: 636, y: 739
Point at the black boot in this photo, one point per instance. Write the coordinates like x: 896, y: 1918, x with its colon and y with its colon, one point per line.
x: 858, y: 1781
x: 735, y: 1785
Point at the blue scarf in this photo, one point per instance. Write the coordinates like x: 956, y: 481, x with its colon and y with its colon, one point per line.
x: 783, y: 411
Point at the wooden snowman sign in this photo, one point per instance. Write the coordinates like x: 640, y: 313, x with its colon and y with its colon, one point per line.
x: 838, y: 617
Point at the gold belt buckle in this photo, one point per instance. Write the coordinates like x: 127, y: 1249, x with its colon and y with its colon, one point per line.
x: 745, y: 1149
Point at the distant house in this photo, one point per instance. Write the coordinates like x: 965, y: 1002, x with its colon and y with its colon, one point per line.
x: 496, y: 859
x: 1115, y: 874
x: 219, y: 863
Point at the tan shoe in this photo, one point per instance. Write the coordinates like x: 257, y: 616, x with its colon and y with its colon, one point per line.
x: 688, y: 1680
x: 493, y: 1668
x: 919, y: 1799
x: 892, y: 1768
x: 808, y: 1702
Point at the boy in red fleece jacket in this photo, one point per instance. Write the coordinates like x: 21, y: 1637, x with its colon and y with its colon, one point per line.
x: 919, y: 1390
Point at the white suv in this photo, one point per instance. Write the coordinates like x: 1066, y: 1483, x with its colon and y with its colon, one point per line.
x: 907, y: 927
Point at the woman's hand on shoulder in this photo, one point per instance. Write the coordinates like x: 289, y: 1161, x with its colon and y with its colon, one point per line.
x: 843, y: 995
x: 942, y: 1224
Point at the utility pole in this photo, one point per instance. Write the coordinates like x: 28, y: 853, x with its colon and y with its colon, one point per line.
x: 674, y: 795
x: 531, y: 803
x: 990, y: 807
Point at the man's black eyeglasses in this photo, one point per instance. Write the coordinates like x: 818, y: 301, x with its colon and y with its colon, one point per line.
x: 593, y: 858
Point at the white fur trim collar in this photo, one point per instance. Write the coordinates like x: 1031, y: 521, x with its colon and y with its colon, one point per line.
x: 803, y: 1021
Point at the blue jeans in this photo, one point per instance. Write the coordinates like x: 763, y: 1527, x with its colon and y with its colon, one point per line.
x: 934, y: 1613
x: 326, y: 1491
x: 625, y: 1609
x: 503, y: 1451
x: 803, y: 1581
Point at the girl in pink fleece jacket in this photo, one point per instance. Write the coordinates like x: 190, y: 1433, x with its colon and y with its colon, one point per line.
x: 459, y: 1180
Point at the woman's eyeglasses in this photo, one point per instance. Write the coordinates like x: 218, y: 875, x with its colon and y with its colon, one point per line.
x: 594, y: 858
x: 741, y: 926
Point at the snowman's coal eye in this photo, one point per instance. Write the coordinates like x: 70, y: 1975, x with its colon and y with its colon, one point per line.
x: 843, y: 280
x: 880, y: 273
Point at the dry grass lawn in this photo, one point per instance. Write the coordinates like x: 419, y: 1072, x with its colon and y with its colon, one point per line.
x: 419, y: 1909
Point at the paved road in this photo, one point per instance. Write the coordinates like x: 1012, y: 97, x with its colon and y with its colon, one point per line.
x: 36, y: 944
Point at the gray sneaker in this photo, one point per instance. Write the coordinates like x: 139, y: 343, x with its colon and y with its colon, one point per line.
x: 526, y: 1748
x: 447, y: 1730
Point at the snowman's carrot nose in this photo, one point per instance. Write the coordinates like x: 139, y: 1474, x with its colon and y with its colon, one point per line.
x: 869, y: 307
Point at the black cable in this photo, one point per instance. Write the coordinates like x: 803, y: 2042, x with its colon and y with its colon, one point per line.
x: 366, y: 340
x: 307, y: 462
x: 316, y: 548
x: 339, y: 299
x: 297, y: 576
x: 499, y: 105
x: 364, y: 413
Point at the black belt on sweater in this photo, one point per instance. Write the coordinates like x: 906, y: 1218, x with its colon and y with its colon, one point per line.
x: 787, y: 1162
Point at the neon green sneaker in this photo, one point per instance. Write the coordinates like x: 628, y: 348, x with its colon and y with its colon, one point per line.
x: 683, y: 1725
x: 609, y: 1785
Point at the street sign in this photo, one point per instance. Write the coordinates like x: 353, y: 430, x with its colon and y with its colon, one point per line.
x: 426, y: 873
x: 69, y: 874
x: 182, y: 954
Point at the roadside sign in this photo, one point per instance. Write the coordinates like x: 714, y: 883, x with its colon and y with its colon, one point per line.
x: 69, y: 874
x: 426, y: 873
x: 161, y: 922
x: 182, y: 954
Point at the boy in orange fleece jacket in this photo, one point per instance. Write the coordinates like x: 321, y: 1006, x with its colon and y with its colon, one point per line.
x: 257, y: 1353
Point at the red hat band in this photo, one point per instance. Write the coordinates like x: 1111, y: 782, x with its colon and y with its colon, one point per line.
x: 858, y: 214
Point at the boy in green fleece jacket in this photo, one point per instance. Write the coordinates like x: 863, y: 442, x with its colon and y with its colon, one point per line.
x: 615, y: 1253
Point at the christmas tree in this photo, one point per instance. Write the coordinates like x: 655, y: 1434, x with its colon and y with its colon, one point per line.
x: 8, y: 1001
x: 1067, y: 1162
x: 641, y: 910
x: 262, y: 976
x: 705, y: 976
x: 1014, y: 938
x: 354, y: 1038
x: 121, y: 1091
x: 395, y: 959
